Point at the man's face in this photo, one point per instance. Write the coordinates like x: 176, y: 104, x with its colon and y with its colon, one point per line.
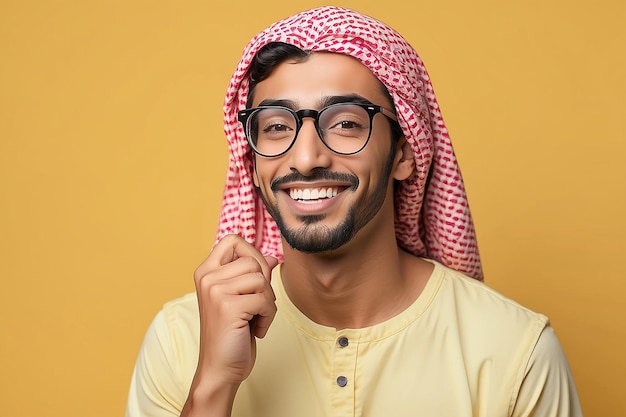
x: 320, y: 199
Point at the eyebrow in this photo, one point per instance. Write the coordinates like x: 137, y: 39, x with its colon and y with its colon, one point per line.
x: 324, y: 102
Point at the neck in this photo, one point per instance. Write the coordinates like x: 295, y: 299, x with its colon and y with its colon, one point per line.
x: 362, y: 284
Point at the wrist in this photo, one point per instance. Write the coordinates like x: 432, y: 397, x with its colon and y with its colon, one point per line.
x: 210, y: 399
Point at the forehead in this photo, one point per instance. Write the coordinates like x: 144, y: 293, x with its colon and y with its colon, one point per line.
x: 323, y: 74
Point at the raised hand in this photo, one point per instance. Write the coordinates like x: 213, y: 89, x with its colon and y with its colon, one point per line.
x: 236, y: 304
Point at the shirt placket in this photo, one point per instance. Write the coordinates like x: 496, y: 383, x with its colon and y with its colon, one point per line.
x: 343, y: 382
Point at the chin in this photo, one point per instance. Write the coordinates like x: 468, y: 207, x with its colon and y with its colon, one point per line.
x: 314, y: 237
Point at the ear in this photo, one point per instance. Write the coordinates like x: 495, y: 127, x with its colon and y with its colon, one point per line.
x: 404, y: 160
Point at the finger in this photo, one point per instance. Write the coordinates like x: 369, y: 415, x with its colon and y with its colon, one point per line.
x: 249, y: 307
x: 238, y: 267
x: 259, y: 324
x: 252, y: 283
x: 262, y: 325
x: 233, y: 247
x: 272, y: 262
x: 229, y: 249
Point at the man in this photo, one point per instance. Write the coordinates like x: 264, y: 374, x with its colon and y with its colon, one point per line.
x: 342, y: 171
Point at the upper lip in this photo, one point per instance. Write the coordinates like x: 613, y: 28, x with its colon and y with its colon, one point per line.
x: 320, y: 179
x: 314, y: 185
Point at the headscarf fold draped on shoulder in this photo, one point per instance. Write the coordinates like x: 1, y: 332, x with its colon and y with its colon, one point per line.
x: 432, y: 215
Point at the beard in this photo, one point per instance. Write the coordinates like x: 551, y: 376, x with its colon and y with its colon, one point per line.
x: 316, y: 237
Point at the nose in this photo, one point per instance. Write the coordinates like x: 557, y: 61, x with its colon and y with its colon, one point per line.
x: 308, y: 153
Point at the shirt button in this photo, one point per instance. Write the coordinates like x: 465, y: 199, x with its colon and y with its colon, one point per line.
x: 343, y: 342
x: 342, y: 381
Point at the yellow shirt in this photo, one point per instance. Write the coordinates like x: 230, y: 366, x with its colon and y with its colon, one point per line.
x: 461, y: 349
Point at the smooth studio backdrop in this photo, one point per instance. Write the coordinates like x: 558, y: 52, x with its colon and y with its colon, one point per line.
x: 112, y: 161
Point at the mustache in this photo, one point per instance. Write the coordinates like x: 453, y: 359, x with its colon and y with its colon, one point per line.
x: 315, y: 176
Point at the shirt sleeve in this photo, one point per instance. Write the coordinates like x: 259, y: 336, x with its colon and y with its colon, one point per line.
x: 548, y: 388
x: 155, y: 389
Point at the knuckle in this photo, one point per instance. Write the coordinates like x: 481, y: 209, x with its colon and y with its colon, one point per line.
x: 213, y: 290
x: 271, y: 295
x: 258, y: 281
x: 258, y: 275
x: 273, y: 308
x: 204, y: 269
x: 200, y: 276
x: 230, y: 239
x: 207, y: 287
x: 197, y: 275
x: 250, y: 264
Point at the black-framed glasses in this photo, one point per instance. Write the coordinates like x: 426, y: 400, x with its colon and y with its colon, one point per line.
x: 345, y: 128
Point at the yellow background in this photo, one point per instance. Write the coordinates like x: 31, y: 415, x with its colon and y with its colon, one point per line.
x: 112, y: 160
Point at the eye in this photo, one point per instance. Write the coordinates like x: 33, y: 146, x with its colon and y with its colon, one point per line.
x: 276, y: 127
x: 344, y: 119
x: 346, y: 124
x: 275, y: 124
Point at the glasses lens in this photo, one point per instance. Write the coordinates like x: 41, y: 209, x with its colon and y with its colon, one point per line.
x: 345, y: 127
x: 271, y: 130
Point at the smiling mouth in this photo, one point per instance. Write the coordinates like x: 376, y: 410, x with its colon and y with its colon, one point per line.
x: 313, y: 194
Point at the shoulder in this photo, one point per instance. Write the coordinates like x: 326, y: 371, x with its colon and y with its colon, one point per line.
x: 481, y: 302
x: 482, y: 319
x: 514, y: 340
x: 174, y: 334
x: 167, y: 360
x: 182, y: 311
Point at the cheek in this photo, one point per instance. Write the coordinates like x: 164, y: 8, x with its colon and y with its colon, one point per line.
x: 259, y: 172
x: 255, y: 178
x: 263, y: 173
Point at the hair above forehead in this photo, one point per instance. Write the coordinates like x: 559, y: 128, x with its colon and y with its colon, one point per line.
x: 272, y: 54
x: 268, y: 58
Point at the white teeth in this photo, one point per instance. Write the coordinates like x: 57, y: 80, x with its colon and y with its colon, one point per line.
x: 313, y: 194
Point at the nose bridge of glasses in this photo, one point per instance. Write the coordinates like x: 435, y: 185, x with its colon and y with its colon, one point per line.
x: 308, y: 113
x: 313, y: 114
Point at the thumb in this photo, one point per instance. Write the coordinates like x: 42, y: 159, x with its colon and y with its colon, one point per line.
x: 271, y: 261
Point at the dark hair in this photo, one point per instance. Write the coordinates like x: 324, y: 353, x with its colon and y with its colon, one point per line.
x: 271, y: 55
x: 268, y: 58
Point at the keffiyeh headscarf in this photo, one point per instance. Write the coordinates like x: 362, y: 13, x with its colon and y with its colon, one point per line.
x: 432, y: 215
